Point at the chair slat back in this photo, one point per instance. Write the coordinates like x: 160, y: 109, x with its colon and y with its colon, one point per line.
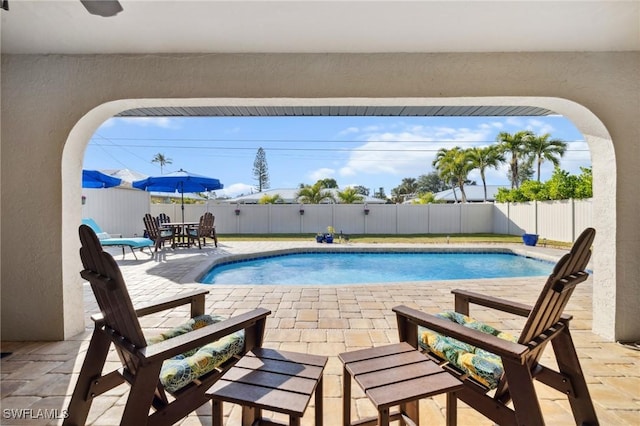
x: 151, y: 225
x: 163, y: 218
x: 568, y: 272
x: 110, y: 290
x: 206, y: 225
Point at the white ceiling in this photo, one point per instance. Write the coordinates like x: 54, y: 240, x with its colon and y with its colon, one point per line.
x: 179, y: 26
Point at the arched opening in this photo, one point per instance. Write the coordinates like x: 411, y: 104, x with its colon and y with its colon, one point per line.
x: 595, y: 134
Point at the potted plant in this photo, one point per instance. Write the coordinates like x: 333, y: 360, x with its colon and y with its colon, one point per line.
x: 530, y: 239
x: 319, y: 238
x: 328, y: 237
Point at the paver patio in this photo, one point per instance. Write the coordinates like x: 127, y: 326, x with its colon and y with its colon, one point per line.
x: 323, y: 320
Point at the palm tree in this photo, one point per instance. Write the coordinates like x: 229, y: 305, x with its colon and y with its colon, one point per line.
x: 442, y: 163
x: 160, y: 158
x: 314, y: 194
x: 454, y: 166
x: 516, y: 146
x: 270, y: 199
x: 408, y: 187
x: 350, y: 195
x: 542, y: 149
x: 484, y: 158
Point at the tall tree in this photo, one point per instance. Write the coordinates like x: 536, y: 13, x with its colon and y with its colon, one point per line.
x: 407, y: 188
x: 431, y: 182
x: 442, y: 164
x: 380, y: 194
x: 516, y: 146
x: 261, y: 170
x: 483, y: 159
x: 542, y: 148
x: 162, y: 160
x: 362, y: 190
x: 328, y: 183
x: 454, y: 166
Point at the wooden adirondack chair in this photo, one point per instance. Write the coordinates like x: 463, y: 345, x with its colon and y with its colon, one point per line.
x: 212, y: 230
x: 163, y: 218
x: 158, y: 234
x: 205, y: 228
x: 143, y: 363
x: 520, y: 359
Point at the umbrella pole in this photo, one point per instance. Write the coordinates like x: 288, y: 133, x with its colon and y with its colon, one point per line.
x: 184, y: 229
x: 182, y: 206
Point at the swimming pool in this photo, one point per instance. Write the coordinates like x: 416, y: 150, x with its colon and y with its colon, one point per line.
x: 326, y: 268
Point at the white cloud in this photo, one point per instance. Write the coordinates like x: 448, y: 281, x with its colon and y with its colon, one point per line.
x: 411, y: 150
x: 402, y: 149
x: 515, y: 122
x: 322, y: 173
x: 349, y: 130
x: 235, y: 190
x: 539, y: 127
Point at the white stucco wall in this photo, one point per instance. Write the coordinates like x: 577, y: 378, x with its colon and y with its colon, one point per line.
x: 51, y: 105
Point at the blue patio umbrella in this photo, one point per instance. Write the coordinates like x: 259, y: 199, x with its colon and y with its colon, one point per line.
x: 181, y: 181
x: 96, y: 179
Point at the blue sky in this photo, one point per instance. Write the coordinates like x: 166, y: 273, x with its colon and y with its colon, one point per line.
x: 370, y: 151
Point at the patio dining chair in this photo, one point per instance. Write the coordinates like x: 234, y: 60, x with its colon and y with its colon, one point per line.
x: 204, y: 229
x: 487, y: 359
x: 158, y: 233
x: 168, y: 374
x: 163, y: 218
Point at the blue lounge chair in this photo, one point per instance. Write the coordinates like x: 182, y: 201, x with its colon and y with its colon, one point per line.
x: 107, y: 240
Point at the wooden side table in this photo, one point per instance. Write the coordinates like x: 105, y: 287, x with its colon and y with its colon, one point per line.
x: 271, y: 380
x: 393, y: 375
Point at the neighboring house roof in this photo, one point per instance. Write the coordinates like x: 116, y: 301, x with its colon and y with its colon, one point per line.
x: 176, y: 195
x: 288, y: 197
x: 125, y: 174
x: 474, y: 193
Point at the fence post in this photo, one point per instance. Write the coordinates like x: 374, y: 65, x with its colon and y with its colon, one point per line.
x: 573, y: 219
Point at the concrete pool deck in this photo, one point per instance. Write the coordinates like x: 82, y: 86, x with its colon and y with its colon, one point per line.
x: 323, y: 320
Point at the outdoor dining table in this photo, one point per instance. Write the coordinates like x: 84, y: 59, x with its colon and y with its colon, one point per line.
x: 181, y: 230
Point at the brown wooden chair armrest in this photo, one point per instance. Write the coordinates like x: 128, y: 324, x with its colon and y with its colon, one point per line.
x: 200, y: 337
x: 493, y: 344
x: 194, y: 298
x: 464, y: 297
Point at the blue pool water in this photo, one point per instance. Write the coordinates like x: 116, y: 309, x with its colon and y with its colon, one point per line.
x: 352, y: 268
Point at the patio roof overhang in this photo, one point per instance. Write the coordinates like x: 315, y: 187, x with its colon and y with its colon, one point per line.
x: 337, y: 110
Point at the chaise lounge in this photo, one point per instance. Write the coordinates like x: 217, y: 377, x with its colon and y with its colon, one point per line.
x: 107, y: 240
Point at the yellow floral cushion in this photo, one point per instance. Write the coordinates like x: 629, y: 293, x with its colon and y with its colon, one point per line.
x: 182, y: 369
x: 483, y: 366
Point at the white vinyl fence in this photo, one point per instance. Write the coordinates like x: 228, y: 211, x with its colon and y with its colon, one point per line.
x: 120, y: 211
